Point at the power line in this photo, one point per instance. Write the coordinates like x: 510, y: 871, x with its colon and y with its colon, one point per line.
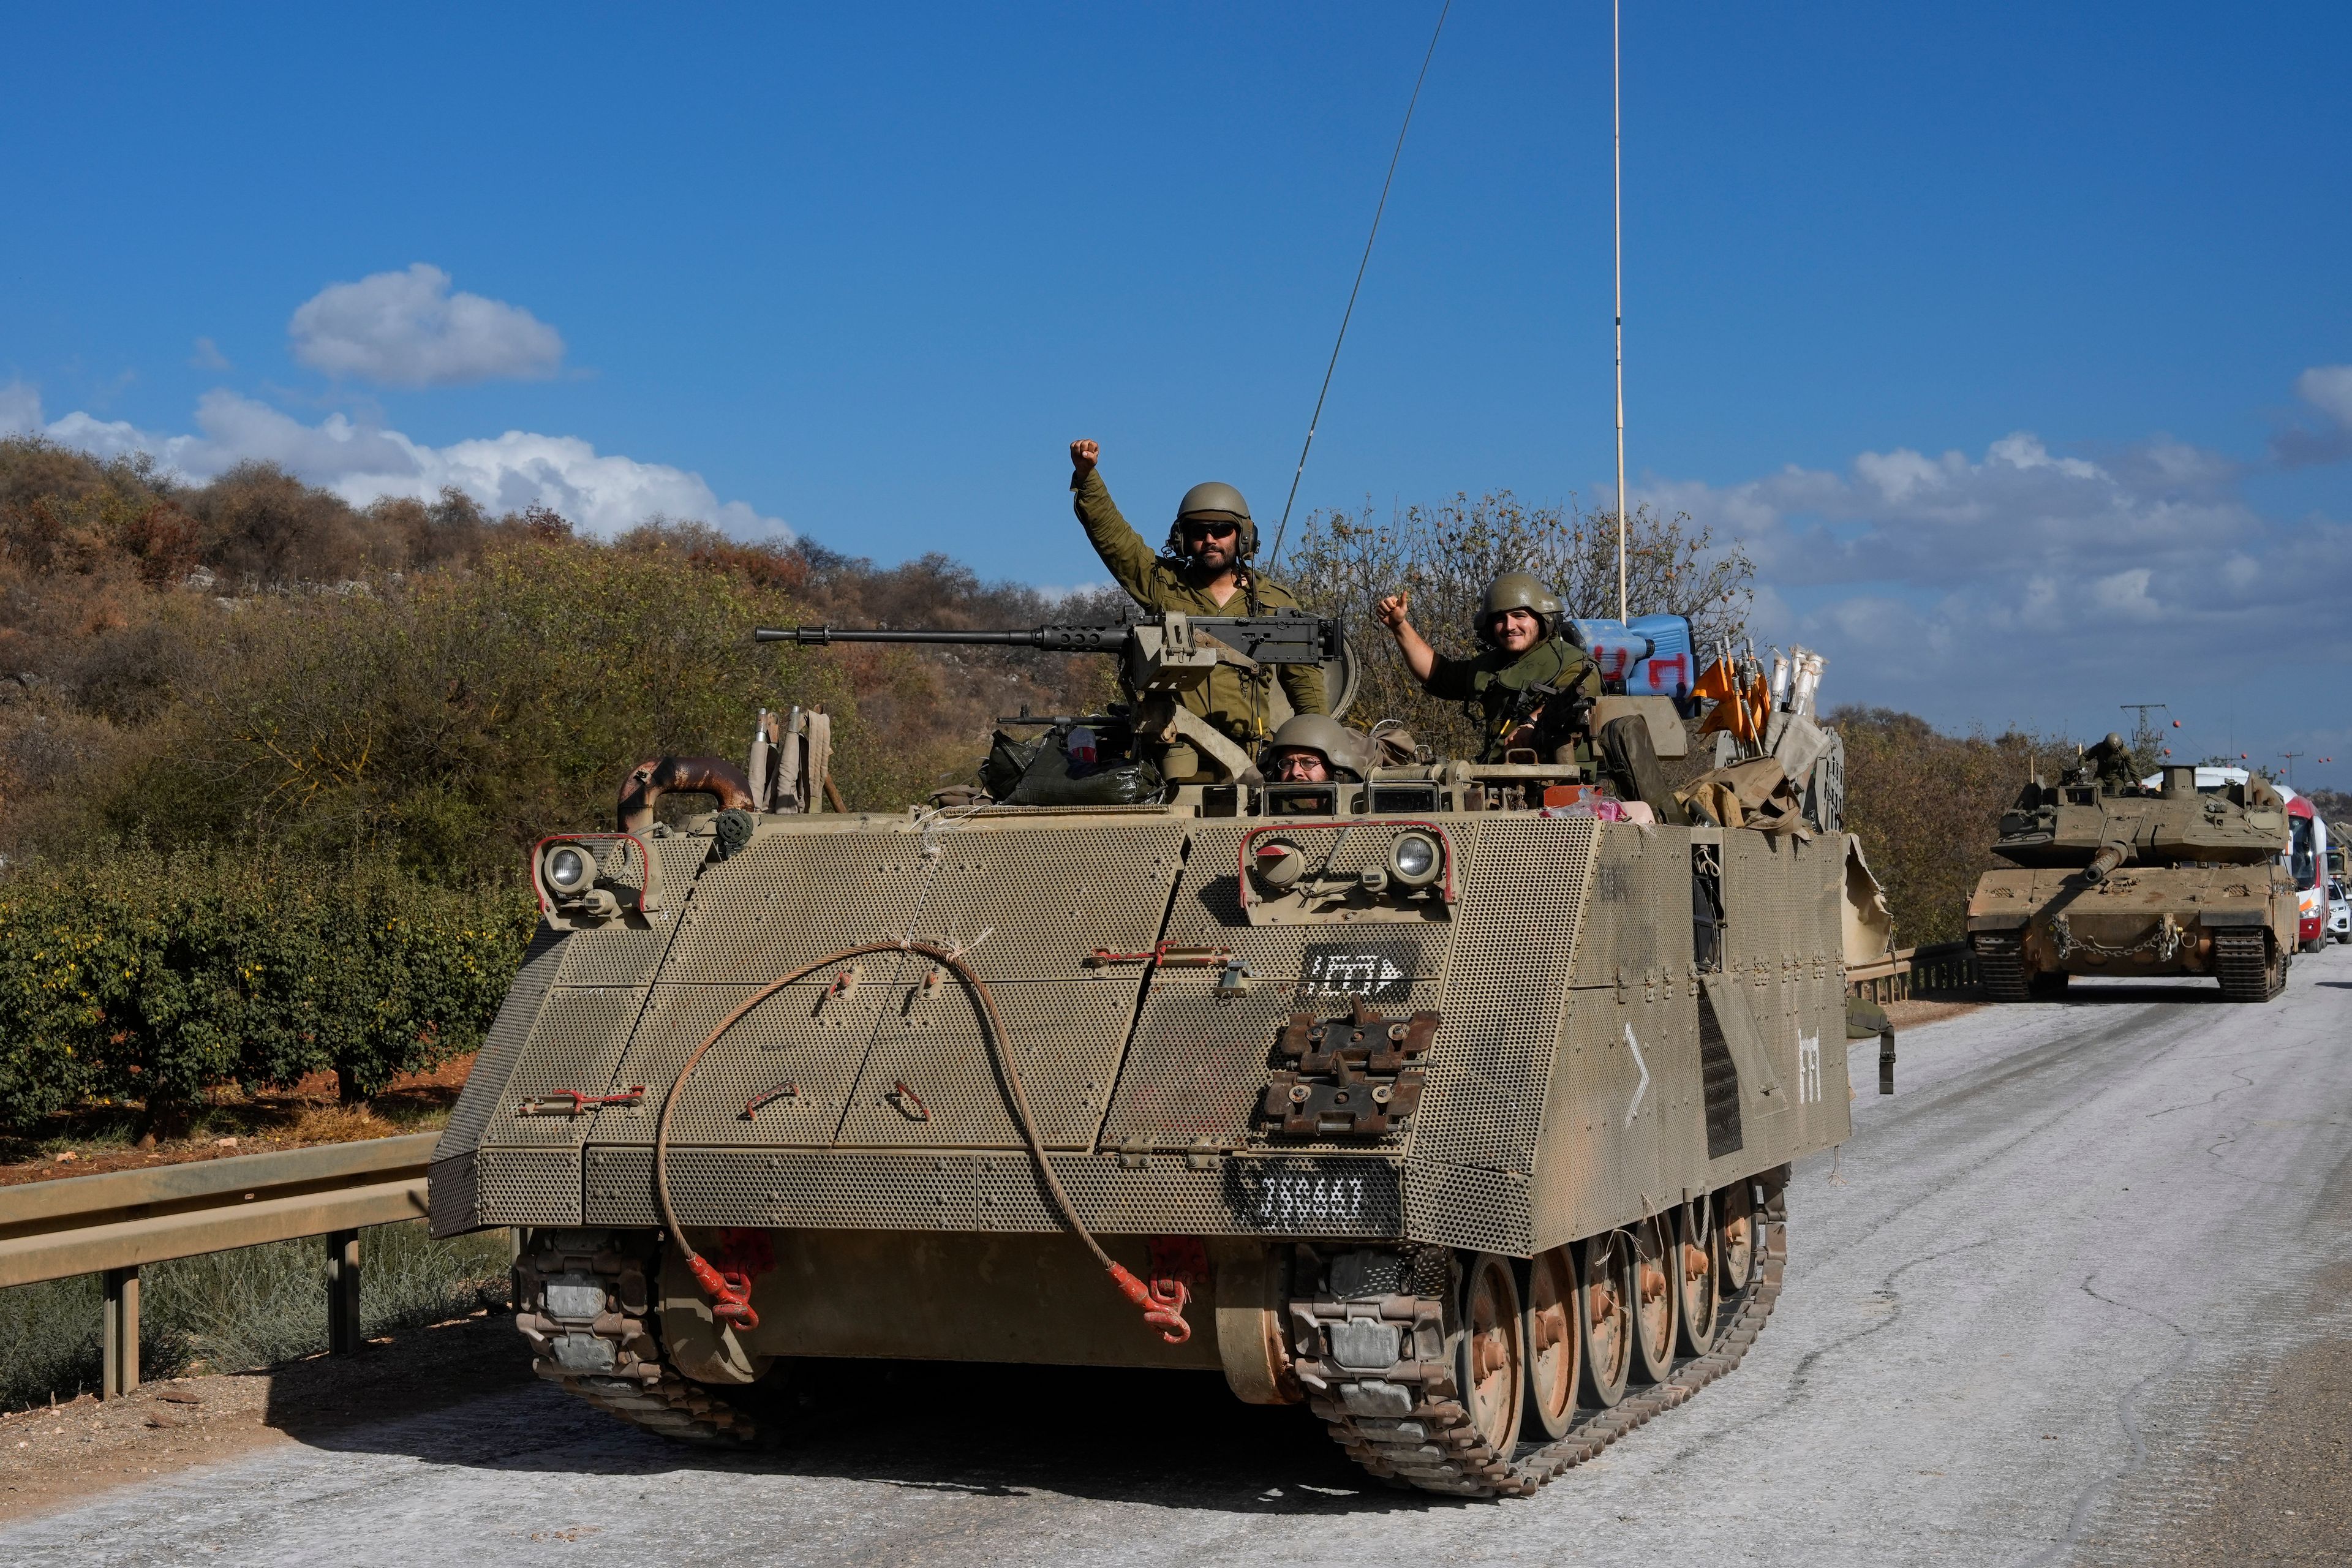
x: 1315, y: 418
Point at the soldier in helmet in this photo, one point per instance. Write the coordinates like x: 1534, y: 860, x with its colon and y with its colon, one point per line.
x: 1311, y: 748
x: 1202, y: 570
x: 2113, y: 759
x: 1530, y: 686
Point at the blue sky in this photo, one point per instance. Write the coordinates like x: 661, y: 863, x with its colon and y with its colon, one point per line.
x: 2011, y: 339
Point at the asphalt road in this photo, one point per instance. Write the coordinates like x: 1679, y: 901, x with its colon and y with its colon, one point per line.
x: 2077, y: 1294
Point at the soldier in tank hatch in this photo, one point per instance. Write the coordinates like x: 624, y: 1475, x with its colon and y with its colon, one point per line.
x: 1312, y: 748
x: 1202, y: 570
x: 1530, y: 686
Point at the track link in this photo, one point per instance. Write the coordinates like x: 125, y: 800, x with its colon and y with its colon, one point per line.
x: 1408, y: 1424
x: 2249, y: 969
x: 584, y: 1305
x: 2000, y: 963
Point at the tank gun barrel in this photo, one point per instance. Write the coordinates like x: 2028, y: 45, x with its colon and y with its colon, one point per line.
x: 2103, y: 865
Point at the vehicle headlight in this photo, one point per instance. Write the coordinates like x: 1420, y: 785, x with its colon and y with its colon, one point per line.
x: 1277, y: 865
x: 1414, y: 859
x: 570, y: 869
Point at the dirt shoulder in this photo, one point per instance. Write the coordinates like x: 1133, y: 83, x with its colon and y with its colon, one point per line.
x: 64, y: 1454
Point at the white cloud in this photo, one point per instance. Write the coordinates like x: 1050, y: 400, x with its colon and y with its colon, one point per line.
x: 2327, y: 388
x: 406, y: 329
x: 601, y: 493
x: 207, y: 356
x: 2023, y: 579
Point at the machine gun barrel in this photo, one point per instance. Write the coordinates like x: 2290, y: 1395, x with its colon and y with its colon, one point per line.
x: 1278, y: 637
x: 1057, y: 639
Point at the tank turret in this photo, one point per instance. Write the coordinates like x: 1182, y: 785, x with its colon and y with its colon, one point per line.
x: 2075, y: 821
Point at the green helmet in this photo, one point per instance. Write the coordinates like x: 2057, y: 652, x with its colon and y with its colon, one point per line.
x: 1212, y: 503
x: 1518, y: 590
x: 1341, y: 749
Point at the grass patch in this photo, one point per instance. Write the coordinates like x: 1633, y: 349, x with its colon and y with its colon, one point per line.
x: 227, y: 1311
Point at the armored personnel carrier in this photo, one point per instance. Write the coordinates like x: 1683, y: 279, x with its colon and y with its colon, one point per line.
x: 2118, y: 877
x: 1447, y: 1101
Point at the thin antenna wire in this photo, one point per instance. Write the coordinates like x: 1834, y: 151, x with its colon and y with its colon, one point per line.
x: 1617, y: 154
x: 1316, y: 418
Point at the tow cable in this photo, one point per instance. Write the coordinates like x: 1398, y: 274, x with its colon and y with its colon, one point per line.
x: 1161, y: 1303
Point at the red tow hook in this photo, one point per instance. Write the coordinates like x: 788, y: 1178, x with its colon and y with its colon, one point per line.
x: 1161, y: 1301
x: 730, y: 1294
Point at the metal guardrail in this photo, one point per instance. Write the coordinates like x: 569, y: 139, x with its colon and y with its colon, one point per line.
x: 1907, y: 972
x: 109, y: 1225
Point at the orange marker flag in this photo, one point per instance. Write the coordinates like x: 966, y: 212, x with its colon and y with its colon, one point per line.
x: 1720, y: 687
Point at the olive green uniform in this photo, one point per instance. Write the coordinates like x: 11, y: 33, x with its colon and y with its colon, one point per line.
x: 1226, y: 699
x: 1488, y: 686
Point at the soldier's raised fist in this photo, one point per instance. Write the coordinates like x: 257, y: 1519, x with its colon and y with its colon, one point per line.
x: 1390, y: 612
x: 1084, y: 456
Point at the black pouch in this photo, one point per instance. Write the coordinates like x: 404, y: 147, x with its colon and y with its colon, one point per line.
x: 1051, y: 781
x: 1007, y: 760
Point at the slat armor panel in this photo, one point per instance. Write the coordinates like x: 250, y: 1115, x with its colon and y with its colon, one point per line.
x: 1522, y: 909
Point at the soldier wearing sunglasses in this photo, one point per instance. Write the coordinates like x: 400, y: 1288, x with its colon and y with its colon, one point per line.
x: 1202, y: 570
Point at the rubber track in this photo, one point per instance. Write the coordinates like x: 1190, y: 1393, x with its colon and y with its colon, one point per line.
x: 2242, y: 960
x: 673, y: 1406
x: 650, y: 1392
x: 2002, y: 964
x: 1436, y: 1448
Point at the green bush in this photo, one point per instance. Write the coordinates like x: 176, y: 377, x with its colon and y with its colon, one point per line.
x: 447, y: 722
x: 151, y: 978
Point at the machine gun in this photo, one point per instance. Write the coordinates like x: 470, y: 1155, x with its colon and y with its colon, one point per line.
x: 1161, y: 658
x: 1534, y: 704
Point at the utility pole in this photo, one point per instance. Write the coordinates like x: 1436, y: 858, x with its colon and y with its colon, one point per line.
x: 1617, y: 159
x: 2145, y: 738
x: 2290, y: 757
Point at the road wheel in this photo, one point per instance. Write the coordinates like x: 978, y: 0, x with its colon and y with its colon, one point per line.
x: 1490, y: 1366
x: 1697, y: 1245
x: 1735, y: 1253
x: 1654, y: 1257
x: 1552, y: 1340
x: 1604, y: 1319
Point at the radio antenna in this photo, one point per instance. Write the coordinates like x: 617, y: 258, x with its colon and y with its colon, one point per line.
x: 1617, y: 159
x: 1316, y: 418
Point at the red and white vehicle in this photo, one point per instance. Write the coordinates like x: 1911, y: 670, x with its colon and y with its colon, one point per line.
x: 2306, y: 857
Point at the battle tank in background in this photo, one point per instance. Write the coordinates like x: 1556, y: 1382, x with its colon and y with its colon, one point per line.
x: 2126, y: 879
x: 1456, y: 1102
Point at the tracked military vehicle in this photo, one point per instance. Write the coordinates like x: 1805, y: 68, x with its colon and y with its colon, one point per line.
x: 1453, y: 1103
x: 2121, y: 878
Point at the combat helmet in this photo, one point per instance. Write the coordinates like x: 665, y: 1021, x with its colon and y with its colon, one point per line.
x: 1214, y: 502
x: 1518, y: 590
x: 1344, y: 751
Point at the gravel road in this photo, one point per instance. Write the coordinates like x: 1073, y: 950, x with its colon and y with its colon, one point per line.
x: 2076, y: 1295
